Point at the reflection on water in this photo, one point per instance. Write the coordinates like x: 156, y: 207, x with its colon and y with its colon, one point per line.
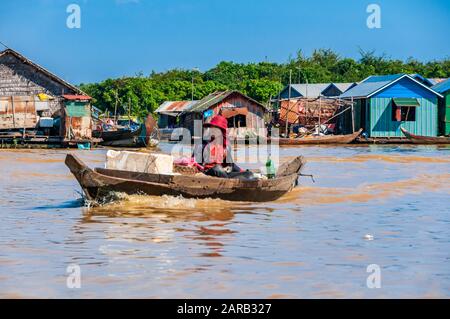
x: 310, y: 243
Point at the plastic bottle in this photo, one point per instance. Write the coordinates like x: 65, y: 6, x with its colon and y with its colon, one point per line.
x: 270, y: 168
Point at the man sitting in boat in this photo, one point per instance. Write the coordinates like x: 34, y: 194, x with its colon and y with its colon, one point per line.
x: 217, y: 159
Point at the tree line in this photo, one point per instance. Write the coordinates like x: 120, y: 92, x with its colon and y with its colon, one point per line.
x: 141, y: 95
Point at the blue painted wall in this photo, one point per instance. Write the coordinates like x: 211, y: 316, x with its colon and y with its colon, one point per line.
x: 381, y: 124
x: 379, y: 111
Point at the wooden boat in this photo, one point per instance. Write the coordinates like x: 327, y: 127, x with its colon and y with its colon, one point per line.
x: 319, y: 140
x: 121, y: 137
x: 98, y: 183
x: 418, y: 139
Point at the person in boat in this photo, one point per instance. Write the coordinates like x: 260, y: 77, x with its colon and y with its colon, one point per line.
x: 216, y: 151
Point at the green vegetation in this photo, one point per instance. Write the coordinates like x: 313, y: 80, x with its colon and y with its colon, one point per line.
x: 260, y: 81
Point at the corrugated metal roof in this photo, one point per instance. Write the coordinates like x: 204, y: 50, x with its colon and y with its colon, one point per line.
x: 310, y: 90
x: 383, y: 78
x: 216, y: 98
x: 172, y: 107
x: 343, y: 86
x: 374, y: 84
x: 210, y: 100
x: 442, y: 87
x: 364, y: 89
x: 436, y: 81
x: 73, y: 97
x: 422, y: 79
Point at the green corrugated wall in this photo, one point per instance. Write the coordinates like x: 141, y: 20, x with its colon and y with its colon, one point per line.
x: 381, y: 124
x: 77, y: 109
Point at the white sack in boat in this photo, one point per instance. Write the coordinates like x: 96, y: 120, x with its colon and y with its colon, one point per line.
x: 140, y: 162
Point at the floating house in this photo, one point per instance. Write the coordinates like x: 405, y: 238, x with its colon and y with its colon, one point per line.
x: 169, y: 112
x: 444, y: 106
x: 383, y: 104
x: 316, y: 90
x: 246, y: 117
x: 39, y: 106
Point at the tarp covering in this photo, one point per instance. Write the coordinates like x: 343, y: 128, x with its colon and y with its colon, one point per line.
x: 230, y: 112
x: 307, y: 111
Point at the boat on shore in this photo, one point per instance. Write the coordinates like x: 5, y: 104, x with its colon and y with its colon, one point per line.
x: 320, y: 140
x: 418, y: 139
x: 98, y: 183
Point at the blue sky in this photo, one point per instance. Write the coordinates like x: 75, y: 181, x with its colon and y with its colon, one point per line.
x: 124, y: 37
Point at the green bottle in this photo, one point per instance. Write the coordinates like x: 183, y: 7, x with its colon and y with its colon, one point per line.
x: 270, y: 168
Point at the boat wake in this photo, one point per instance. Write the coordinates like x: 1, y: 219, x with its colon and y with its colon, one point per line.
x: 364, y: 193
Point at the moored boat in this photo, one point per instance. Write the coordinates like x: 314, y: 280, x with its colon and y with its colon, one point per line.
x: 98, y: 183
x: 125, y: 137
x: 418, y: 139
x: 319, y: 140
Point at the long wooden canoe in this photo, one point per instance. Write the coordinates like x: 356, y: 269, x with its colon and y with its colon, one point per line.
x: 319, y: 140
x: 98, y: 183
x: 418, y: 139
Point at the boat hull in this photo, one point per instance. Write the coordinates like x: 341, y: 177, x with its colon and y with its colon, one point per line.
x: 425, y: 140
x: 319, y: 140
x: 99, y: 183
x: 123, y: 138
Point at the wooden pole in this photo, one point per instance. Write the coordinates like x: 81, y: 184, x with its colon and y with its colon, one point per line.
x: 129, y: 111
x: 192, y: 95
x: 25, y: 119
x: 306, y: 103
x: 115, y: 108
x: 289, y: 103
x: 320, y: 111
x: 13, y: 112
x: 353, y: 117
x: 339, y: 120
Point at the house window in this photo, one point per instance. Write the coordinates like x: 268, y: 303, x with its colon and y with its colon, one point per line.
x: 404, y: 113
x: 404, y: 109
x: 408, y: 113
x: 237, y: 121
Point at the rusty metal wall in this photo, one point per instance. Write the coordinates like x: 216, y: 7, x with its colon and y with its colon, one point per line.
x: 77, y: 127
x: 17, y: 112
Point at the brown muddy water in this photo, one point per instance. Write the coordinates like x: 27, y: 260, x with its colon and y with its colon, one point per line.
x: 312, y: 243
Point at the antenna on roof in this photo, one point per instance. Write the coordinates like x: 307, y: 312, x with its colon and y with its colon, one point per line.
x: 4, y: 45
